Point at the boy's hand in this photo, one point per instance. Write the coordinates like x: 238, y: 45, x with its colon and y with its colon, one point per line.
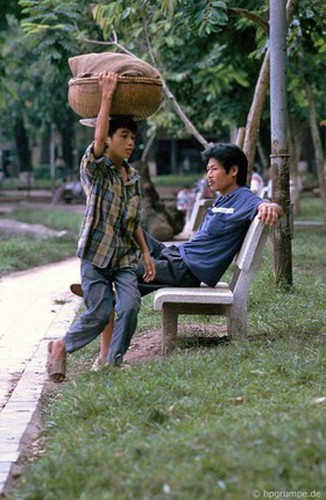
x: 108, y: 82
x: 269, y: 213
x: 149, y: 266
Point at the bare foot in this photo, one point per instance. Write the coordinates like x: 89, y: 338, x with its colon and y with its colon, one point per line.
x: 56, y: 364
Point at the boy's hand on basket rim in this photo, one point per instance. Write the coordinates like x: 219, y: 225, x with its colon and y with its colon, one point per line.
x: 108, y: 82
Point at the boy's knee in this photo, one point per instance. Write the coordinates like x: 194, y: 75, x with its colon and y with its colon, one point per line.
x: 131, y: 306
x: 103, y: 316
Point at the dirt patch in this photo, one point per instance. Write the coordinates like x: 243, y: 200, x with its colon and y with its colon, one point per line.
x: 149, y: 345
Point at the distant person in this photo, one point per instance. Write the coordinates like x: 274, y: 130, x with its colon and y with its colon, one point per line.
x: 185, y: 201
x: 269, y: 188
x: 256, y: 182
x: 296, y: 187
x: 183, y: 198
x: 204, y: 191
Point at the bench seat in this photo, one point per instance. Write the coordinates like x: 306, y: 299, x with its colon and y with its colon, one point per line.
x: 221, y: 294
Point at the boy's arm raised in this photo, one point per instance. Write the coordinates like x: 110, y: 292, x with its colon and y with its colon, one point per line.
x: 108, y: 82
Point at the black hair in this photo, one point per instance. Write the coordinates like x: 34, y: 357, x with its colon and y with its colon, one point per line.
x: 228, y: 155
x: 122, y: 122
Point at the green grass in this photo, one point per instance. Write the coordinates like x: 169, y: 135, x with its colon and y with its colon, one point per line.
x: 311, y: 208
x: 15, y: 183
x: 55, y: 219
x: 22, y: 252
x: 176, y: 180
x: 207, y: 422
x: 214, y: 420
x: 213, y: 423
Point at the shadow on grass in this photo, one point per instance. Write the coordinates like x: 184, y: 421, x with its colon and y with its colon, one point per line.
x: 195, y: 342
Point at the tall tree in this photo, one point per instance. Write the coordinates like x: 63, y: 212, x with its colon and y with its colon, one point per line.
x: 279, y: 143
x: 307, y: 50
x: 15, y: 61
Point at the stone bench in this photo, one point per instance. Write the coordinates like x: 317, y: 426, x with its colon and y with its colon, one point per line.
x: 230, y: 300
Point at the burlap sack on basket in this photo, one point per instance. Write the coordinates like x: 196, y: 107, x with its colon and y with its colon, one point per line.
x: 139, y: 91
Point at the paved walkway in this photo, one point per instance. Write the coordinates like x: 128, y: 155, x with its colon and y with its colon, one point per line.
x: 35, y: 306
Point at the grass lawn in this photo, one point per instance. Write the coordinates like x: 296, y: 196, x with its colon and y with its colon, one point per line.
x: 230, y: 421
x: 22, y: 252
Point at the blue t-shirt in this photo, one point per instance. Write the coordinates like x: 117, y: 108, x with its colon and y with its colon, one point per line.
x: 220, y: 236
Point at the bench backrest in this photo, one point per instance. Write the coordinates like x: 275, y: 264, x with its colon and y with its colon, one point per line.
x: 198, y: 213
x: 249, y: 257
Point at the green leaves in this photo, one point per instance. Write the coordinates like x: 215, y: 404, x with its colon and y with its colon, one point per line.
x: 208, y: 17
x: 111, y: 16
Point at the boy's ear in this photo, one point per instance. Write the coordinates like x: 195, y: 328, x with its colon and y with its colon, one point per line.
x: 235, y: 170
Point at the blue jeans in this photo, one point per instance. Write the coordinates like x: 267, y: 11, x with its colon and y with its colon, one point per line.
x: 99, y: 298
x: 171, y: 269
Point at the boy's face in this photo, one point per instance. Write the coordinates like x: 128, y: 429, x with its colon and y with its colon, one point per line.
x: 122, y: 143
x: 218, y: 179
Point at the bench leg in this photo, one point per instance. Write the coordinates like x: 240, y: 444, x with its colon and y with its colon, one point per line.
x: 169, y: 329
x: 237, y: 322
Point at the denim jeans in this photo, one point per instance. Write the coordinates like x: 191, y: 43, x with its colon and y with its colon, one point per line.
x: 99, y: 298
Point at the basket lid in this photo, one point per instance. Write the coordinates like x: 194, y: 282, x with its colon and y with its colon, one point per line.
x: 88, y: 122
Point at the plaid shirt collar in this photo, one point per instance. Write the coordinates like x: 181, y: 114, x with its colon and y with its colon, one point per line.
x: 133, y: 175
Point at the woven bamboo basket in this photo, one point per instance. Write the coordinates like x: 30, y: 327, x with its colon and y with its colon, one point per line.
x: 136, y: 96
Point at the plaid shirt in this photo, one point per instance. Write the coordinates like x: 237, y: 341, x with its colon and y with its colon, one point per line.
x: 113, y: 211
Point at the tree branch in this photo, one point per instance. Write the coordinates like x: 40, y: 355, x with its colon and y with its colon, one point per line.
x: 148, y: 146
x: 149, y: 45
x: 257, y: 105
x: 235, y: 11
x: 170, y: 97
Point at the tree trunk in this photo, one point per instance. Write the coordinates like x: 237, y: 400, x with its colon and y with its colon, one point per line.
x: 22, y: 145
x: 45, y: 148
x: 280, y: 169
x: 255, y: 112
x: 262, y: 156
x: 320, y: 161
x: 66, y: 130
x: 257, y: 105
x: 157, y: 219
x: 240, y: 137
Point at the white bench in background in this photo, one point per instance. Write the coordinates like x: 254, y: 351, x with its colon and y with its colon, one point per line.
x: 230, y: 300
x: 198, y: 213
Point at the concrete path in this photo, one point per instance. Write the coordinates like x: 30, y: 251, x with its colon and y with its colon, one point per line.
x: 35, y: 306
